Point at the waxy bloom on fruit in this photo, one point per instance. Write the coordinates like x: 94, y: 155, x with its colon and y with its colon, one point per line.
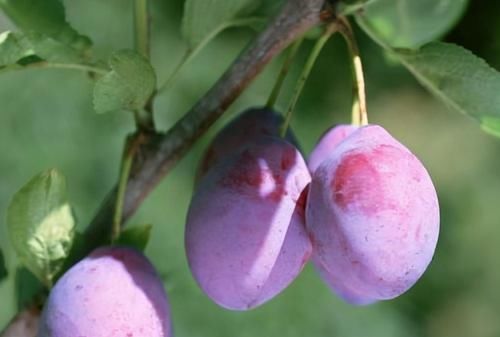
x: 245, y: 234
x: 373, y: 216
x: 114, y: 291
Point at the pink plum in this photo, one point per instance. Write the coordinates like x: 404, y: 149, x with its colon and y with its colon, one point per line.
x: 114, y: 291
x: 373, y: 216
x: 327, y: 143
x: 244, y: 130
x: 245, y: 233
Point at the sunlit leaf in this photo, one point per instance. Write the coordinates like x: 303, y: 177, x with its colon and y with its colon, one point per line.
x: 462, y: 80
x: 41, y: 225
x: 45, y: 17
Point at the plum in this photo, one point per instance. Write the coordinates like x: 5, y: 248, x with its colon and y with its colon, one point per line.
x: 114, y: 291
x: 245, y: 129
x: 245, y: 233
x: 373, y: 216
x: 327, y: 143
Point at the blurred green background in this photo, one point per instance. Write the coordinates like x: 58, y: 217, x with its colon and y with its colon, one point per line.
x: 47, y: 120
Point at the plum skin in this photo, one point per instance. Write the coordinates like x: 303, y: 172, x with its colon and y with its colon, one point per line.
x: 373, y: 216
x: 245, y: 234
x: 327, y: 144
x: 114, y: 291
x: 242, y: 131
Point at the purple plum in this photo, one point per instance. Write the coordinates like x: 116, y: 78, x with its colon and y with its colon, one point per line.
x: 114, y: 291
x: 373, y: 216
x: 327, y: 143
x: 244, y: 130
x: 245, y: 233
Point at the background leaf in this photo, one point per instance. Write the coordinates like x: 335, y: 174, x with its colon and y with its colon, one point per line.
x: 136, y: 236
x: 44, y: 17
x: 27, y: 287
x: 461, y: 79
x: 410, y: 23
x: 128, y: 85
x: 41, y: 225
x: 3, y: 269
x: 13, y: 47
x: 203, y: 17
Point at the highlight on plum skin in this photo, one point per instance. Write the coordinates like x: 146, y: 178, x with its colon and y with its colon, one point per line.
x: 373, y: 216
x: 242, y: 131
x: 327, y: 144
x: 114, y: 291
x: 245, y: 233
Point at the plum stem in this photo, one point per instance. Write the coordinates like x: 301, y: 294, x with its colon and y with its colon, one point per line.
x: 306, y: 71
x: 131, y: 146
x: 287, y: 63
x: 359, y: 107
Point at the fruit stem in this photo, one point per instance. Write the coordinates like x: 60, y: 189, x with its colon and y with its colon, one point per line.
x: 306, y: 71
x: 359, y: 107
x: 131, y: 146
x: 292, y: 52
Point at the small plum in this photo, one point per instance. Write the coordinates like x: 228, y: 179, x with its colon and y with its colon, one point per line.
x: 327, y: 143
x: 245, y: 129
x: 245, y: 233
x: 114, y: 291
x: 373, y: 216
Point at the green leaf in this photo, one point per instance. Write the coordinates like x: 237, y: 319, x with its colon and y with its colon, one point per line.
x: 41, y: 225
x: 458, y: 77
x: 203, y: 18
x: 137, y: 237
x: 410, y: 23
x: 128, y: 86
x: 3, y: 269
x: 45, y: 17
x: 52, y: 50
x: 13, y: 47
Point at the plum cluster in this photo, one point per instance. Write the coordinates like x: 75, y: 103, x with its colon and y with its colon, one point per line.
x: 363, y: 209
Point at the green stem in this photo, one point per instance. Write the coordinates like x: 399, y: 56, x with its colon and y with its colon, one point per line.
x: 284, y: 71
x: 141, y: 24
x: 359, y: 107
x: 192, y: 52
x: 329, y: 31
x: 130, y: 149
x: 143, y: 118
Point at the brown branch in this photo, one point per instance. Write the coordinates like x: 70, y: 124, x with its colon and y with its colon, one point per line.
x: 160, y: 152
x: 25, y: 324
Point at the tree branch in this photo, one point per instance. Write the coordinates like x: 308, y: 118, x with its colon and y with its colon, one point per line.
x: 160, y: 152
